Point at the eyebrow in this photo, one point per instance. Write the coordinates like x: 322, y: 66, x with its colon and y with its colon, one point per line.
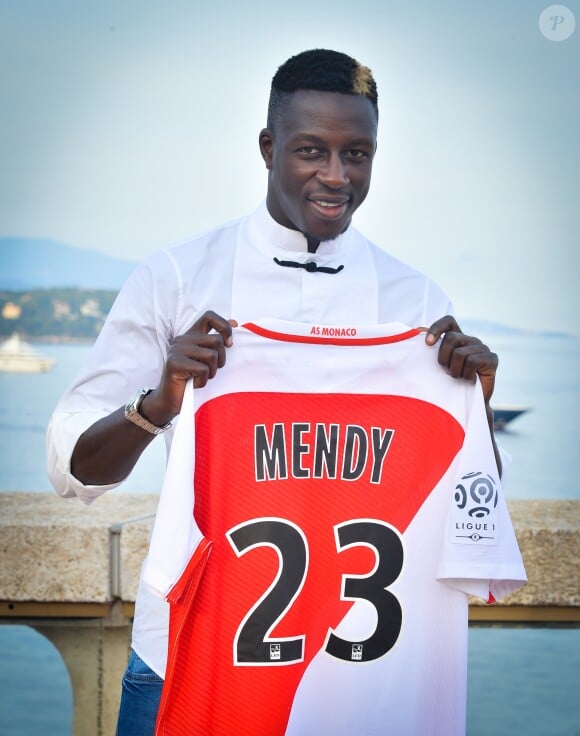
x: 313, y: 138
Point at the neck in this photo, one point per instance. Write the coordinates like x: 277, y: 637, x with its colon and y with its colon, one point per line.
x: 312, y: 244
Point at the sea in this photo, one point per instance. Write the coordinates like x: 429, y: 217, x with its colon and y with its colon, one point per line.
x: 521, y: 680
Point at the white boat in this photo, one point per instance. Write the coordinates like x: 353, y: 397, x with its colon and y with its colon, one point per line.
x: 16, y: 356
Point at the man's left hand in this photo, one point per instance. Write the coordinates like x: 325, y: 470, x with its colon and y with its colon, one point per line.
x: 463, y: 356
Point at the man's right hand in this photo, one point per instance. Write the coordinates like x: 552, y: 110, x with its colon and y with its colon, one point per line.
x: 108, y: 450
x: 197, y: 354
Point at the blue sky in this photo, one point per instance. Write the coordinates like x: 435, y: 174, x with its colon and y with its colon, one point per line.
x: 128, y: 126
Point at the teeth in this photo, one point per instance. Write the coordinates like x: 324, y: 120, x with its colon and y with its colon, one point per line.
x: 329, y: 204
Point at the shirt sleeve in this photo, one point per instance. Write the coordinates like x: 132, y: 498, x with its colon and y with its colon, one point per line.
x: 436, y: 304
x: 129, y: 354
x: 480, y: 553
x: 62, y: 434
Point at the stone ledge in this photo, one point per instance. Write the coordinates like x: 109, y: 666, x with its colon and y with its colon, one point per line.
x: 54, y: 550
x: 548, y: 534
x: 59, y: 550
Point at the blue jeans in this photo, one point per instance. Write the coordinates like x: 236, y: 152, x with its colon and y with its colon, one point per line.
x: 140, y: 695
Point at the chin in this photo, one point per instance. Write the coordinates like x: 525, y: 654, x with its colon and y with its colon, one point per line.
x: 327, y: 233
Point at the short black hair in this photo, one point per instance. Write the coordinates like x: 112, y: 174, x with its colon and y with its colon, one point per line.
x: 322, y: 70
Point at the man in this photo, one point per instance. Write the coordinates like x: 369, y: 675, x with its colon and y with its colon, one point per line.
x: 296, y: 258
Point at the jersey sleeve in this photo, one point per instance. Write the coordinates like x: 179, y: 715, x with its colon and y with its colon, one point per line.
x: 175, y: 535
x: 480, y: 553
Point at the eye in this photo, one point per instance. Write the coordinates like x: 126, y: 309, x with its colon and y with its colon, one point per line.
x: 308, y: 151
x: 356, y: 155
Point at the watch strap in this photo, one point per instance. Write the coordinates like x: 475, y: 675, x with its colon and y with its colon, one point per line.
x: 133, y: 415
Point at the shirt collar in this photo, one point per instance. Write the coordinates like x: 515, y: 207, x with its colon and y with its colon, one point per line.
x: 275, y: 239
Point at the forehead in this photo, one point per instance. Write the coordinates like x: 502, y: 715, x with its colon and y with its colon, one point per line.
x: 309, y: 112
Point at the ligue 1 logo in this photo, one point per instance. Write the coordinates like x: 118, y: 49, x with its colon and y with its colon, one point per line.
x: 477, y: 494
x: 476, y: 498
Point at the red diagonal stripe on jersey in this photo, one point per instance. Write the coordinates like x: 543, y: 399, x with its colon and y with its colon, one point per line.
x: 208, y: 694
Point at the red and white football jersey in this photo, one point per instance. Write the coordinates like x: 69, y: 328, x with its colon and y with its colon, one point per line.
x: 329, y: 502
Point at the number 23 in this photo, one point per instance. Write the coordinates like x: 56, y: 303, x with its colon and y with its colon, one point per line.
x: 254, y: 646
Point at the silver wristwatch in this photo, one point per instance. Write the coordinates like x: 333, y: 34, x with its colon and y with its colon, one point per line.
x: 132, y: 412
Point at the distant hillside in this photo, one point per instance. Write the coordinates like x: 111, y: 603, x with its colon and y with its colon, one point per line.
x: 44, y: 264
x: 61, y: 314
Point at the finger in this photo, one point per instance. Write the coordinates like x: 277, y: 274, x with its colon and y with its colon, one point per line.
x: 181, y: 368
x: 199, y: 371
x: 481, y: 364
x: 451, y: 342
x: 440, y: 327
x: 469, y: 360
x: 211, y: 321
x: 197, y: 363
x: 469, y: 363
x: 207, y: 349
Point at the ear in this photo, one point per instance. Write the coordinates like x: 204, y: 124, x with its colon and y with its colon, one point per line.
x: 266, y: 144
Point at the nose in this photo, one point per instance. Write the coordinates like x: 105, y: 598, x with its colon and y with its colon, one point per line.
x: 332, y: 173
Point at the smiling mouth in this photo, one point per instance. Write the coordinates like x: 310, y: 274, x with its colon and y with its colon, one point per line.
x: 328, y: 207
